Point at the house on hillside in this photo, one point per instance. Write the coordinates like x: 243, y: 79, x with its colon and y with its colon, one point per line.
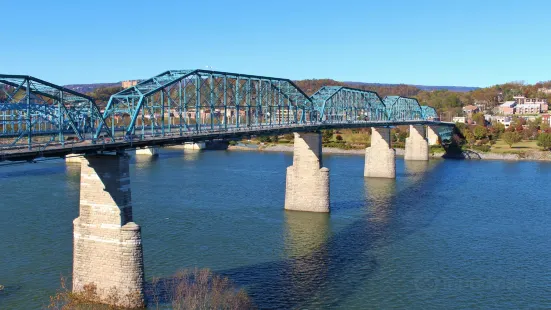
x: 470, y: 110
x: 459, y: 119
x: 530, y: 105
x: 505, y: 120
x: 545, y: 118
x: 507, y: 108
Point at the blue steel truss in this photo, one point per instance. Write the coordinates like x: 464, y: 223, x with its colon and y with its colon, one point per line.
x: 403, y: 108
x: 187, y: 101
x: 341, y: 104
x: 43, y: 113
x: 429, y: 113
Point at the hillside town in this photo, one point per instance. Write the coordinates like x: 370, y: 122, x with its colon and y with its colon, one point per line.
x: 520, y: 107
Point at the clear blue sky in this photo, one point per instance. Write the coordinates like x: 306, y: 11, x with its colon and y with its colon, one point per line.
x: 467, y: 43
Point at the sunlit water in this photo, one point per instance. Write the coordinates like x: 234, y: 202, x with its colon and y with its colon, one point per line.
x: 443, y: 235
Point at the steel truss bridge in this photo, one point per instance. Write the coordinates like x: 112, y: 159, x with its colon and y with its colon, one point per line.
x: 40, y: 119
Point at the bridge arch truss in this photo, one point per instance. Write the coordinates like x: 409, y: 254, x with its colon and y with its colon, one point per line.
x: 341, y: 104
x: 403, y: 108
x: 188, y: 101
x: 34, y: 112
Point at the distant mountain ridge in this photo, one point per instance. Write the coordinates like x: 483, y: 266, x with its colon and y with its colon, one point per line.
x: 85, y: 88
x: 459, y: 89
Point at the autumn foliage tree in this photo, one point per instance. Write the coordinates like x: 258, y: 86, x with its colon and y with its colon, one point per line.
x: 511, y: 137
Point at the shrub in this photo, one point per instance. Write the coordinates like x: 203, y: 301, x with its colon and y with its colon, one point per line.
x: 201, y: 289
x: 544, y: 140
x: 338, y: 137
x: 187, y: 289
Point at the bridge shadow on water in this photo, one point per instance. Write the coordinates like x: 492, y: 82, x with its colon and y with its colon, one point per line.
x: 323, y: 269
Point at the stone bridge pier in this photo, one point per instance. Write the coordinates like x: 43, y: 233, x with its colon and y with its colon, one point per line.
x: 432, y: 135
x: 307, y: 184
x: 380, y: 157
x: 417, y: 146
x: 107, y: 249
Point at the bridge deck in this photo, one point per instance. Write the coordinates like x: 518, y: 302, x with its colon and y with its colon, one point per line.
x: 23, y: 153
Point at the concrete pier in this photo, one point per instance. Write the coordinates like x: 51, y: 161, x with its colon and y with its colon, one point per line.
x: 194, y: 146
x: 107, y: 248
x: 73, y: 159
x: 307, y: 186
x: 150, y: 150
x: 417, y: 146
x: 432, y: 135
x: 380, y: 157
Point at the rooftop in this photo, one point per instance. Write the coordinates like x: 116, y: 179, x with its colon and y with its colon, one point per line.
x: 508, y: 104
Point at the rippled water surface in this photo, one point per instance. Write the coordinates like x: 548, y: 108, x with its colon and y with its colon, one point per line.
x: 447, y: 234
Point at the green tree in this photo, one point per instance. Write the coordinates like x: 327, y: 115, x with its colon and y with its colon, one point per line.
x: 544, y: 126
x: 480, y: 132
x: 289, y: 136
x: 544, y: 140
x: 511, y: 137
x: 478, y: 118
x: 469, y: 136
x: 326, y: 135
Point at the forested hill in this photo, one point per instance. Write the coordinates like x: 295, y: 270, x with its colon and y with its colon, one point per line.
x: 310, y: 86
x: 85, y: 88
x: 447, y: 100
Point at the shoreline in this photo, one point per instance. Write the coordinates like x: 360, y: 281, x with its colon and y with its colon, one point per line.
x: 537, y: 156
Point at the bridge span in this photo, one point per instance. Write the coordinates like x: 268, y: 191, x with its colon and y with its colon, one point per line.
x: 40, y: 119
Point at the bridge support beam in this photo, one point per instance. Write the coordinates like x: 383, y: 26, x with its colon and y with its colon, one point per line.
x: 150, y: 150
x: 432, y: 135
x: 380, y: 157
x: 417, y: 146
x: 107, y: 249
x: 307, y: 186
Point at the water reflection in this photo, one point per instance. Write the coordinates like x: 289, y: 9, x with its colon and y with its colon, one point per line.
x: 416, y: 170
x: 306, y: 245
x: 305, y: 232
x: 144, y: 161
x: 379, y: 193
x: 192, y: 155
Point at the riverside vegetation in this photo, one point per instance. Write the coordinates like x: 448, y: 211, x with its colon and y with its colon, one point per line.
x: 188, y: 289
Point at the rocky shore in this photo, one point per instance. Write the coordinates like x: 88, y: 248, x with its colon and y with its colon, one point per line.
x: 528, y: 156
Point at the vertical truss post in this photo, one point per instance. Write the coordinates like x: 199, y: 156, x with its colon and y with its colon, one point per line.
x: 259, y: 103
x: 237, y: 102
x: 186, y: 120
x: 279, y: 112
x: 197, y: 101
x: 211, y: 84
x: 168, y: 106
x: 248, y: 102
x: 225, y: 103
x: 28, y: 92
x: 61, y: 119
x: 163, y: 112
x: 180, y: 103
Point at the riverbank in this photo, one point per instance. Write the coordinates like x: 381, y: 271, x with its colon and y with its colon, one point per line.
x: 527, y: 156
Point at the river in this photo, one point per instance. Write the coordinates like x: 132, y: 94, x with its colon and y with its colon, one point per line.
x: 445, y: 234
